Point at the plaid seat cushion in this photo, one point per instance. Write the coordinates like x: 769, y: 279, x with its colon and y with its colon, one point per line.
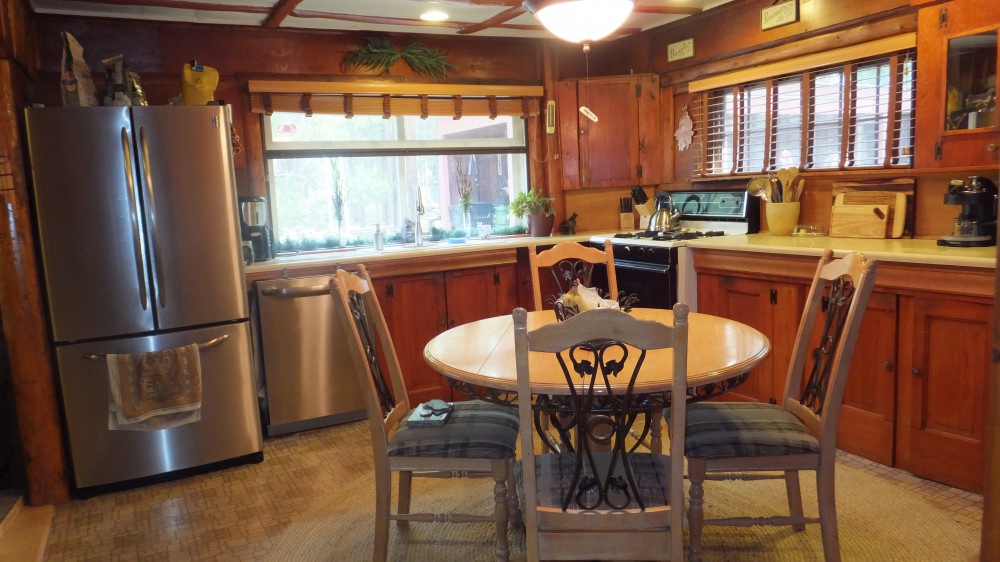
x: 722, y: 430
x: 554, y: 474
x: 475, y: 430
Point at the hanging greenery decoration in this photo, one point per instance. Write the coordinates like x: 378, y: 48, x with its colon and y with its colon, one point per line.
x: 380, y: 55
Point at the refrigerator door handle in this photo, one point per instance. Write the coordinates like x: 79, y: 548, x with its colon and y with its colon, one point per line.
x: 140, y: 266
x: 151, y: 206
x: 201, y: 346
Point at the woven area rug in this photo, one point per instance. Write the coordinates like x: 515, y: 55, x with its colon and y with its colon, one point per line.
x: 879, y: 521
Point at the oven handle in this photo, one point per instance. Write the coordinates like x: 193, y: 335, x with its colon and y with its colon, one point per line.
x: 640, y: 266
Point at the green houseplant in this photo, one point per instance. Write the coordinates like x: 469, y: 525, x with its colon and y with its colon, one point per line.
x: 538, y: 210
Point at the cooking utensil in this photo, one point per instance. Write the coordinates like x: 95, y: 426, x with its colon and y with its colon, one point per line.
x: 639, y: 196
x: 757, y: 187
x: 667, y: 217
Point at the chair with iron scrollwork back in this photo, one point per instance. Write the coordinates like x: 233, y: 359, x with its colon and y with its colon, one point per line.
x: 730, y: 440
x: 478, y: 440
x: 602, y: 498
x: 568, y: 262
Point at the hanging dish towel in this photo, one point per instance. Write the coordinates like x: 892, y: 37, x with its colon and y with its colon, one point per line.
x: 155, y: 390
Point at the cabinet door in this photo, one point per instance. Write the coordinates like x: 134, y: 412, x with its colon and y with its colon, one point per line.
x: 867, y: 418
x: 957, y: 64
x: 622, y: 147
x: 475, y: 294
x: 415, y: 311
x: 944, y: 369
x: 771, y: 307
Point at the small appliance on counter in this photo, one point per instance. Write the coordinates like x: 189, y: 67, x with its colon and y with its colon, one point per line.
x: 254, y: 229
x: 976, y: 224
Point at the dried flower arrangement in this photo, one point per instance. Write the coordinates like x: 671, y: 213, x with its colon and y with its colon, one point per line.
x: 380, y: 55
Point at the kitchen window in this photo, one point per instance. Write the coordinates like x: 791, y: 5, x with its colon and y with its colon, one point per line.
x: 343, y: 159
x: 856, y: 114
x: 333, y: 179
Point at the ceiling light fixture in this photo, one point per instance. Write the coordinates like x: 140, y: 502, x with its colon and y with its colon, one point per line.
x: 434, y: 15
x: 580, y: 21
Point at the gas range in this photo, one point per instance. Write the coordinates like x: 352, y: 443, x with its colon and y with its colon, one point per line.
x: 656, y: 266
x: 703, y: 214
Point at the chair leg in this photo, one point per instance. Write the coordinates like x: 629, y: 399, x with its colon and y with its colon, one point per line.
x: 383, y: 497
x: 513, y: 501
x: 403, y: 506
x: 500, y: 494
x: 696, y: 513
x: 794, y: 493
x: 826, y: 495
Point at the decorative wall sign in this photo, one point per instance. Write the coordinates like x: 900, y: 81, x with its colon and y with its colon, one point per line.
x: 680, y: 50
x: 779, y: 14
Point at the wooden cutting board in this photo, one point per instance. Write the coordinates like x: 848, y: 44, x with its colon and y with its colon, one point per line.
x: 859, y: 221
x: 896, y: 201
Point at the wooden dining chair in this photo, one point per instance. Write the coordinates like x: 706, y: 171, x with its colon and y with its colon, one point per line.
x: 601, y: 499
x: 567, y: 262
x: 729, y: 440
x: 478, y: 440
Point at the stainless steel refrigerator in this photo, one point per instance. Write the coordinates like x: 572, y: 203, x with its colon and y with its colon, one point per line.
x: 140, y: 246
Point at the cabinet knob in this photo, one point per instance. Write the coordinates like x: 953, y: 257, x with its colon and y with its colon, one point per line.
x: 916, y: 372
x: 887, y: 366
x: 991, y: 147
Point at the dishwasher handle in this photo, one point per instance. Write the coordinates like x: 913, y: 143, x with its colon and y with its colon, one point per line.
x: 296, y: 292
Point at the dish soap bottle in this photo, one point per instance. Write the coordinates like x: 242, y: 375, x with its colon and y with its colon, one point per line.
x: 379, y: 239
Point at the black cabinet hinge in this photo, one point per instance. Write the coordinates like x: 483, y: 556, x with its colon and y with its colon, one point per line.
x: 496, y: 278
x: 943, y: 17
x: 388, y: 291
x: 638, y: 171
x: 638, y: 90
x: 937, y: 150
x: 826, y: 303
x: 774, y: 296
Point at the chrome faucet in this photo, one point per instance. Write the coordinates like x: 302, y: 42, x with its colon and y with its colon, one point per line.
x: 418, y: 229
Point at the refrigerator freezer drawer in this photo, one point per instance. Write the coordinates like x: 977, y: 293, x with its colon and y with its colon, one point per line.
x: 307, y: 366
x: 229, y: 425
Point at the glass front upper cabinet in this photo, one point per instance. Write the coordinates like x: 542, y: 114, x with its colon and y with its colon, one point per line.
x: 971, y: 101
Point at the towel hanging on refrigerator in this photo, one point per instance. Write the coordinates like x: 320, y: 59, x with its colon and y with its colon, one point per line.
x: 155, y: 390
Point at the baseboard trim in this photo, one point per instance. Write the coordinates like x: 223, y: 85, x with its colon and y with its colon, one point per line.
x: 24, y: 532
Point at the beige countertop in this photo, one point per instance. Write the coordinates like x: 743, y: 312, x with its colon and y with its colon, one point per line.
x: 368, y: 255
x: 917, y: 251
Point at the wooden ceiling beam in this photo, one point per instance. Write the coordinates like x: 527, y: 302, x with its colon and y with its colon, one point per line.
x: 502, y: 17
x: 380, y: 20
x: 639, y: 9
x: 206, y: 6
x: 281, y: 11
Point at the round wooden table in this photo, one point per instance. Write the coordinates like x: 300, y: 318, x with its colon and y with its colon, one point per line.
x: 481, y: 355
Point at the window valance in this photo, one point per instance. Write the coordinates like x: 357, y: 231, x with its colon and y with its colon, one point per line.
x: 386, y: 99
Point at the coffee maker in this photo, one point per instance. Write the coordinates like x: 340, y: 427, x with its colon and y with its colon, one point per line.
x: 254, y: 229
x: 976, y: 224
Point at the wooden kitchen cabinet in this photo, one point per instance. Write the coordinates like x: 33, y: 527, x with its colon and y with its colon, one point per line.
x: 957, y: 120
x: 944, y: 366
x: 771, y: 306
x: 419, y: 307
x: 868, y: 415
x: 623, y: 147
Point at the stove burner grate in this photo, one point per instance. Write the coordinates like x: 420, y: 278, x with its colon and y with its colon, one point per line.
x: 671, y: 234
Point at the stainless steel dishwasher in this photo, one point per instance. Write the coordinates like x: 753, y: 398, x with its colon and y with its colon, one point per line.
x: 308, y: 371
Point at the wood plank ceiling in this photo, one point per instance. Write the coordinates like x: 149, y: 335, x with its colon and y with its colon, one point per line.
x: 503, y: 18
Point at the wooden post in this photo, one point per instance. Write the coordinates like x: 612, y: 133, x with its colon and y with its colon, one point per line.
x: 23, y: 319
x: 990, y: 549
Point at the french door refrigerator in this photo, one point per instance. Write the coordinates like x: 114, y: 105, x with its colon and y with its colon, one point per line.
x: 140, y: 246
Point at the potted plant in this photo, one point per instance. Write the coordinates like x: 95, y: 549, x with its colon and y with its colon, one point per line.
x: 538, y: 209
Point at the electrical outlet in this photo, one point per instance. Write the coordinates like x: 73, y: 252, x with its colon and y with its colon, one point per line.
x: 550, y: 117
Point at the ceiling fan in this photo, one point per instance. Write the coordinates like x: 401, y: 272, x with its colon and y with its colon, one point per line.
x: 560, y: 8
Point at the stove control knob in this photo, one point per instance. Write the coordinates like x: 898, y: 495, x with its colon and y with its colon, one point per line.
x: 627, y: 250
x: 650, y: 253
x: 642, y: 252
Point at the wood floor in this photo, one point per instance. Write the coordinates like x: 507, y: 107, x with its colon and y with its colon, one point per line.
x: 238, y: 513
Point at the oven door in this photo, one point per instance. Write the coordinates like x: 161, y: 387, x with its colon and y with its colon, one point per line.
x: 654, y: 284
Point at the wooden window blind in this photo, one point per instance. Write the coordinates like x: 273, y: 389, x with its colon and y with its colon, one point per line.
x: 858, y: 114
